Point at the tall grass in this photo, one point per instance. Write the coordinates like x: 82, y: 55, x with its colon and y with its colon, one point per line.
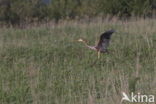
x: 45, y: 65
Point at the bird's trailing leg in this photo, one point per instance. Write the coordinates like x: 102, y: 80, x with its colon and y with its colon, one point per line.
x: 99, y: 54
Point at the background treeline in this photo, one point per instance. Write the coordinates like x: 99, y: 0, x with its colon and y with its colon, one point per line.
x: 28, y: 11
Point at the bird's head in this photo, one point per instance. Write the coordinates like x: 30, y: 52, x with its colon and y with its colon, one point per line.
x: 80, y: 40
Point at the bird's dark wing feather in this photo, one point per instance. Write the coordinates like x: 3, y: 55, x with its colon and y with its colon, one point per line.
x: 104, y: 40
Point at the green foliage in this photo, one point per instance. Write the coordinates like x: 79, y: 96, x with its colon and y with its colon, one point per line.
x: 27, y: 11
x: 126, y: 8
x: 17, y: 11
x: 141, y: 7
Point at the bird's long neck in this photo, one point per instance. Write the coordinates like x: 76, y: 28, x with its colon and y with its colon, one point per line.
x: 92, y: 47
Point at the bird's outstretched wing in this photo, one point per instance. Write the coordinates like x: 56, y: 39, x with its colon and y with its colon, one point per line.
x: 104, y: 40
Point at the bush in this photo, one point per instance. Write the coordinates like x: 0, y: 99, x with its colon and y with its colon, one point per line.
x: 26, y: 11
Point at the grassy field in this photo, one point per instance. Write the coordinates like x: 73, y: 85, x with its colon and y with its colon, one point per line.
x: 46, y: 65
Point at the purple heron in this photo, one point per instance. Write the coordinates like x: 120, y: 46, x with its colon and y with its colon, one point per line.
x: 102, y: 44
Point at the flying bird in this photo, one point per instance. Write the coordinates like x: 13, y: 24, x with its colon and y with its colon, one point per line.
x: 102, y: 44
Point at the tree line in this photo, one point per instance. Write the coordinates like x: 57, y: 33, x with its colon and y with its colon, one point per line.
x: 27, y: 11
